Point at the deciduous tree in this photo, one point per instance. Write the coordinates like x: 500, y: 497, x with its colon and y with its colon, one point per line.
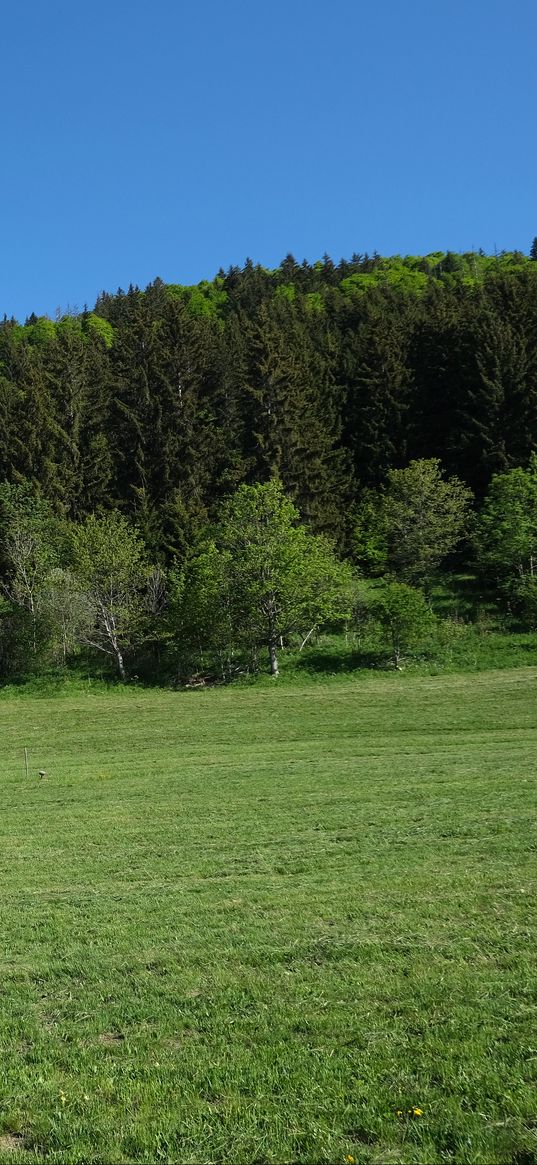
x: 415, y: 523
x: 506, y: 535
x: 265, y: 576
x: 403, y: 613
x: 110, y: 565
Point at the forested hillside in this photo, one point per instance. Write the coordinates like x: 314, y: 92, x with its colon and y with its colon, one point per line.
x: 158, y: 404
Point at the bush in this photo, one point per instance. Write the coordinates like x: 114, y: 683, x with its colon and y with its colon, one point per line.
x: 405, y: 617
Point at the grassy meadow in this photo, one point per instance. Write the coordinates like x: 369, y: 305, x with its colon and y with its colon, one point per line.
x: 276, y: 923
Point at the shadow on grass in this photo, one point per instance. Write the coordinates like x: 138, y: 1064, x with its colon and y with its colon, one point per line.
x: 318, y: 661
x: 465, y: 596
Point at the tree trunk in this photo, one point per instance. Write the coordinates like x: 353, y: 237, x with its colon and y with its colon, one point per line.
x: 396, y: 650
x: 310, y: 632
x: 110, y: 627
x: 34, y: 624
x: 274, y: 670
x: 120, y: 664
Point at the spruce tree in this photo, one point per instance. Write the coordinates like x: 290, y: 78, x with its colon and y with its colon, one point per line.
x: 292, y: 422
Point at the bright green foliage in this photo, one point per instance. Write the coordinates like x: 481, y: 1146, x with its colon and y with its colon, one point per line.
x: 111, y: 569
x: 415, y: 275
x: 369, y: 544
x: 286, y: 291
x: 313, y: 303
x: 396, y: 273
x: 28, y: 530
x: 202, y: 299
x: 423, y: 516
x: 160, y: 402
x: 102, y: 328
x: 405, y: 616
x: 43, y: 331
x: 68, y: 615
x: 506, y: 537
x: 266, y: 576
x: 330, y: 376
x: 411, y: 527
x: 201, y: 615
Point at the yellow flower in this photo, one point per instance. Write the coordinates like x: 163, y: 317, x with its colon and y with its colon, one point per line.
x: 417, y: 1111
x: 399, y: 1112
x: 350, y: 1159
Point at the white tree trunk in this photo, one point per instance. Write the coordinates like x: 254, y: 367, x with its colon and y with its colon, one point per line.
x: 274, y: 669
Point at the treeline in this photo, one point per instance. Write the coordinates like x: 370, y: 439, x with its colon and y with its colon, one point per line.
x: 141, y: 421
x: 257, y: 579
x: 161, y: 402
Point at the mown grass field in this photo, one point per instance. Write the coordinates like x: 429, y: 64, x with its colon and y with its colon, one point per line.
x: 262, y: 924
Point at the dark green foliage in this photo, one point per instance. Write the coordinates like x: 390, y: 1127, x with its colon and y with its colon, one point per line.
x: 293, y: 412
x: 160, y: 403
x: 374, y: 368
x: 523, y: 597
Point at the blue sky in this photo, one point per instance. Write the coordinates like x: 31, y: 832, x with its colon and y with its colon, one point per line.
x: 170, y: 139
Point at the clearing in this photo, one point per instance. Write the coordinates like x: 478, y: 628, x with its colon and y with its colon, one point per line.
x: 286, y: 924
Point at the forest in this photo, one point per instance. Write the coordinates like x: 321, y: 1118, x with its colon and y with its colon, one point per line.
x: 196, y: 477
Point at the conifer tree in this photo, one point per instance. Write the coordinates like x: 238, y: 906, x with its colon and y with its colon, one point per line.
x: 291, y: 420
x: 374, y: 368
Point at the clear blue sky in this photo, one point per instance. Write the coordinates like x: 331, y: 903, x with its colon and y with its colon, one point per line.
x: 162, y: 138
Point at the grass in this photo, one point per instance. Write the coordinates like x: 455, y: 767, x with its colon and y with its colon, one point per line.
x: 270, y: 924
x: 466, y: 648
